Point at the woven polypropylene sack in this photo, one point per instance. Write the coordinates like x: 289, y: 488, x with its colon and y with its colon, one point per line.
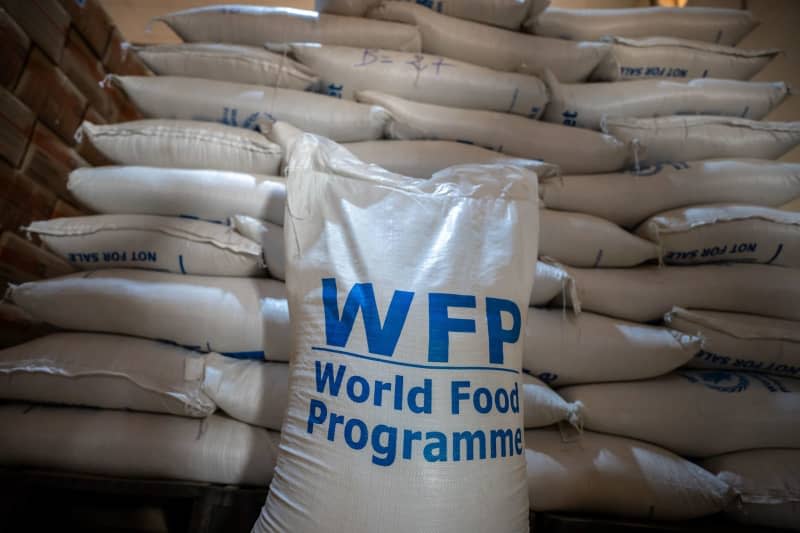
x: 371, y: 441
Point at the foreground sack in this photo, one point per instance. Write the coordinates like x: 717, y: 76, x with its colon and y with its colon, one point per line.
x: 613, y: 475
x: 422, y: 159
x: 107, y: 371
x: 460, y: 403
x: 585, y: 104
x: 697, y: 413
x: 562, y: 349
x: 255, y: 25
x: 582, y: 240
x: 725, y: 232
x: 183, y: 144
x: 213, y: 195
x: 270, y: 237
x: 505, y: 13
x: 240, y: 317
x: 767, y: 482
x: 227, y: 62
x: 494, y: 47
x: 647, y: 293
x: 247, y: 106
x: 668, y: 58
x: 169, y: 244
x: 661, y: 187
x: 573, y: 149
x: 255, y: 392
x: 713, y: 25
x: 423, y: 78
x: 216, y: 449
x: 736, y: 341
x: 549, y: 281
x: 705, y: 137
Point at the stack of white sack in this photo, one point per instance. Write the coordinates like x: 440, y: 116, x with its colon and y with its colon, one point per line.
x: 175, y: 270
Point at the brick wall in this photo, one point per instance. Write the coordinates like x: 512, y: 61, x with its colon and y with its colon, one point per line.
x: 53, y: 56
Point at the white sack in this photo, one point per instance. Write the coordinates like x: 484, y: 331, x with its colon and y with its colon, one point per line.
x: 136, y: 445
x: 582, y: 240
x: 628, y: 198
x: 767, y: 482
x: 107, y: 371
x: 647, y: 293
x: 183, y: 144
x: 255, y: 25
x: 573, y: 149
x: 563, y: 349
x: 713, y: 25
x: 725, y: 232
x: 423, y: 78
x: 549, y: 281
x: 240, y: 317
x: 169, y: 244
x: 612, y: 475
x: 705, y: 137
x: 678, y: 59
x: 227, y: 62
x: 213, y: 195
x: 248, y: 106
x: 422, y: 159
x: 585, y: 104
x: 697, y: 413
x: 735, y: 341
x: 270, y: 237
x: 255, y: 392
x: 494, y: 47
x: 504, y: 13
x: 336, y: 219
x: 543, y: 407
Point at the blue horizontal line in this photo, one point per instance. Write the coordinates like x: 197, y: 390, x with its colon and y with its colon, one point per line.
x: 413, y: 365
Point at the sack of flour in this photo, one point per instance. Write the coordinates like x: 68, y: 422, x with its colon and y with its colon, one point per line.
x: 255, y: 25
x: 183, y: 144
x: 107, y: 371
x: 582, y: 240
x: 422, y: 159
x: 247, y: 106
x: 585, y: 104
x: 678, y: 59
x: 227, y: 62
x: 495, y: 48
x: 422, y: 78
x: 564, y: 349
x: 123, y: 444
x: 168, y: 244
x: 735, y: 341
x: 504, y: 13
x: 549, y: 281
x: 628, y: 198
x: 573, y: 149
x: 406, y: 378
x: 711, y: 25
x: 725, y: 232
x: 648, y: 292
x: 697, y: 413
x: 767, y: 483
x: 705, y: 137
x: 239, y: 317
x: 255, y: 392
x: 270, y: 237
x: 213, y: 195
x: 543, y: 407
x: 598, y: 473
